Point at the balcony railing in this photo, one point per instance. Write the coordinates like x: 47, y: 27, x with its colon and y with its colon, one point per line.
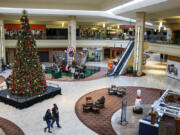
x: 66, y: 38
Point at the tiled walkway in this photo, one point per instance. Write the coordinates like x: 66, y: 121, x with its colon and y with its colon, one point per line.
x: 10, y: 128
x: 30, y: 119
x: 101, y: 123
x: 132, y: 127
x: 2, y: 132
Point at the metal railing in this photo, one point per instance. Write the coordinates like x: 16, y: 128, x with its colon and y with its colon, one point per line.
x: 66, y: 38
x: 53, y: 84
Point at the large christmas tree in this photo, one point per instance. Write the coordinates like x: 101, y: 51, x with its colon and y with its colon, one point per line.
x: 27, y: 75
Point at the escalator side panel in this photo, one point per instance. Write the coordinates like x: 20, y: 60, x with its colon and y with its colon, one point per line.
x: 119, y: 67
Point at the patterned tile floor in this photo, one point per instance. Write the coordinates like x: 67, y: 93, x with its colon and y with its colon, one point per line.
x: 132, y: 127
x: 101, y: 123
x: 30, y: 119
x: 10, y: 128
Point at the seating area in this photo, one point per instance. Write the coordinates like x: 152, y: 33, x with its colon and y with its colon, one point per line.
x: 94, y: 107
x: 117, y: 91
x: 79, y: 73
x: 113, y: 104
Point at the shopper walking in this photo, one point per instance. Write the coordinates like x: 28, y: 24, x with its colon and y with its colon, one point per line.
x: 55, y: 113
x: 48, y: 118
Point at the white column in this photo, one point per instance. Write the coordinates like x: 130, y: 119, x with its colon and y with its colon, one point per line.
x: 71, y: 37
x: 139, y: 43
x: 2, y: 44
x: 169, y: 35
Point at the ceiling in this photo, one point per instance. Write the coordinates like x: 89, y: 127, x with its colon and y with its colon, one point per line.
x: 11, y: 19
x: 63, y: 4
x: 162, y: 11
x: 154, y: 13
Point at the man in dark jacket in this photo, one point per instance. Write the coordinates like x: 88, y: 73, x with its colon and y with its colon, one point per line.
x: 55, y: 113
x: 48, y: 118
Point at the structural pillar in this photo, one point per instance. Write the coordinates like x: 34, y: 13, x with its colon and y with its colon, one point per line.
x: 139, y: 43
x: 11, y: 55
x: 169, y: 35
x: 71, y: 39
x: 2, y: 44
x: 51, y: 55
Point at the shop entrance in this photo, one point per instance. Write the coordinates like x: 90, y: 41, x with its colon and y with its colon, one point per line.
x: 44, y: 56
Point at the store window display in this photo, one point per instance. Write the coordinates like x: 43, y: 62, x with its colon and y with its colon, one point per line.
x: 94, y: 54
x: 13, y: 34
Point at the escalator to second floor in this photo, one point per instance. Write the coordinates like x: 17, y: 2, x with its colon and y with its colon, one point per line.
x: 118, y: 69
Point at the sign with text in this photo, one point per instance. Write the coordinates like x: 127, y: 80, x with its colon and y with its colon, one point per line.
x: 123, y: 112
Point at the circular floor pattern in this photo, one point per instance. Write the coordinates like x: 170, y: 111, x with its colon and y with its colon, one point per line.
x: 102, y: 73
x: 132, y: 127
x: 101, y: 123
x: 10, y: 128
x: 2, y: 132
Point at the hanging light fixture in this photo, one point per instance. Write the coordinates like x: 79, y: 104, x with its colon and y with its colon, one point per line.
x: 165, y: 28
x: 159, y: 28
x: 62, y: 24
x: 104, y: 25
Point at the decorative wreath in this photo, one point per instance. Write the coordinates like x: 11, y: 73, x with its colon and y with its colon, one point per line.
x: 71, y: 53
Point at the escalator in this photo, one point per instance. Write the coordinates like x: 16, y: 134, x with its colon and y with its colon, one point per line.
x: 118, y: 69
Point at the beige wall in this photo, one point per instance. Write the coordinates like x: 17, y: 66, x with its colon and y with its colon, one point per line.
x: 80, y: 43
x: 169, y: 49
x: 175, y: 27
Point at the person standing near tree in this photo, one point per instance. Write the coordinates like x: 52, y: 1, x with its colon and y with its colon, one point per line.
x: 55, y: 113
x: 48, y: 118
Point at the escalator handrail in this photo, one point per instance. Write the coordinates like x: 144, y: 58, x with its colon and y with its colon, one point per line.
x: 129, y: 49
x: 122, y: 56
x: 129, y: 54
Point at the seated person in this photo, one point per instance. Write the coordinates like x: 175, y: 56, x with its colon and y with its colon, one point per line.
x: 78, y: 69
x: 67, y: 68
x: 58, y: 69
x: 82, y: 75
x: 100, y: 101
x: 63, y: 68
x: 72, y: 70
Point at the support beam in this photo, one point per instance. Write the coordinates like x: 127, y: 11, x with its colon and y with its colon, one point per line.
x: 11, y: 55
x: 51, y: 55
x: 139, y: 43
x: 2, y: 45
x: 71, y: 38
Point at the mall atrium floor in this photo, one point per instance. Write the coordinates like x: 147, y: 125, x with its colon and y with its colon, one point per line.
x: 30, y: 120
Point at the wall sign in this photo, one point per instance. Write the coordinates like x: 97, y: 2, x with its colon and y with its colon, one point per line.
x: 123, y: 121
x: 173, y: 69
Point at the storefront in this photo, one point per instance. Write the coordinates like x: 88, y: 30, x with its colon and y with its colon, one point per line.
x: 111, y: 52
x: 173, y: 67
x: 12, y: 31
x: 94, y: 54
